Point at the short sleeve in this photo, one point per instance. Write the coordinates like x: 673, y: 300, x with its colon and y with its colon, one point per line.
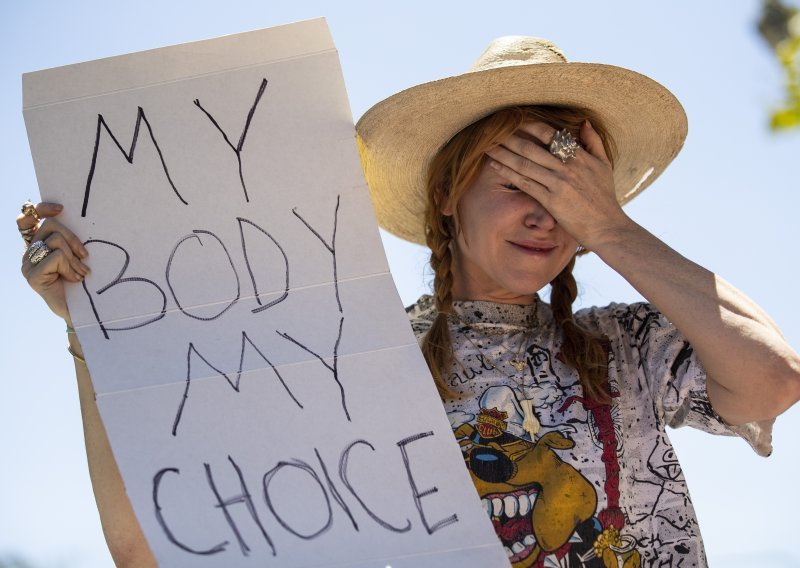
x: 664, y: 359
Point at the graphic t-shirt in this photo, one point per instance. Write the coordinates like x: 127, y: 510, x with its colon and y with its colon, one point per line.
x: 568, y: 482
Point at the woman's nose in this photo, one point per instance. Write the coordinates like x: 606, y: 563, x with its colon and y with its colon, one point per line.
x: 538, y: 216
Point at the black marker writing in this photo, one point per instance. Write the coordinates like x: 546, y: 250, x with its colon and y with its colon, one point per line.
x: 161, y: 521
x: 120, y: 280
x: 417, y: 494
x: 334, y: 368
x: 261, y: 307
x: 273, y: 367
x: 335, y: 492
x: 101, y: 122
x: 243, y: 497
x: 291, y: 470
x: 331, y: 247
x: 189, y: 382
x: 195, y: 234
x: 343, y: 475
x: 302, y: 466
x: 238, y: 148
x: 234, y: 384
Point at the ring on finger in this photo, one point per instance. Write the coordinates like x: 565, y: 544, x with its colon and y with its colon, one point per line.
x: 29, y: 209
x: 38, y: 251
x: 563, y: 145
x: 27, y: 235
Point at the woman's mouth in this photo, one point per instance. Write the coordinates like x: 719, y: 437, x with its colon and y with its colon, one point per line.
x: 532, y: 248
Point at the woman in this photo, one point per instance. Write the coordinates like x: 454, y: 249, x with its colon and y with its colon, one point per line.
x: 561, y: 417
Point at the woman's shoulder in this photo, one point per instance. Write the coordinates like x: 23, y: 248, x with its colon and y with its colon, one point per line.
x: 621, y: 319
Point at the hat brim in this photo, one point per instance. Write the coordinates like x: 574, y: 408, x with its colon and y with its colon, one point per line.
x: 399, y: 136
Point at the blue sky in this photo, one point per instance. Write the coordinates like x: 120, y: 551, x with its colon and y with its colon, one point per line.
x: 729, y: 202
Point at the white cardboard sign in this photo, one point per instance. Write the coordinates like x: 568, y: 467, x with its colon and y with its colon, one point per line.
x: 263, y: 393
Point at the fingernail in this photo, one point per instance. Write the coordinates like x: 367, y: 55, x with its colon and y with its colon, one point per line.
x: 59, y: 207
x: 494, y: 165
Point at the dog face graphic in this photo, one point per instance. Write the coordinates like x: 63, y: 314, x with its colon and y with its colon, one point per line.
x: 535, y: 500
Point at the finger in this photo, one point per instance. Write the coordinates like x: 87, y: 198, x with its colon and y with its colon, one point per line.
x: 57, y: 241
x: 46, y: 209
x: 48, y: 270
x: 534, y: 151
x: 592, y: 142
x: 526, y: 184
x: 522, y: 166
x: 50, y: 226
x: 69, y: 267
x: 43, y: 210
x: 545, y: 133
x: 542, y: 131
x: 26, y: 222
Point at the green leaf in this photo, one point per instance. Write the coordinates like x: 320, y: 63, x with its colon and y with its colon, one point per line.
x: 785, y: 118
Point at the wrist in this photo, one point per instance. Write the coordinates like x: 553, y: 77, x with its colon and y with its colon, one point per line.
x: 612, y: 235
x: 77, y: 357
x: 73, y: 343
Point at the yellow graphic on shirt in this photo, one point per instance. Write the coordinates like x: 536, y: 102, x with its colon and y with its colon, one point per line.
x: 541, y: 507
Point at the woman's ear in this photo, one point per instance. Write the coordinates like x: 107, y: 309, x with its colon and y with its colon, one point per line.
x: 444, y: 201
x: 446, y: 208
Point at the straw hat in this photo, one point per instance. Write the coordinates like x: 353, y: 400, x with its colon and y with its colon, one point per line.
x: 399, y: 136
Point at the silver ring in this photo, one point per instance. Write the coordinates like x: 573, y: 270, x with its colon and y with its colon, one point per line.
x: 38, y: 251
x: 563, y: 145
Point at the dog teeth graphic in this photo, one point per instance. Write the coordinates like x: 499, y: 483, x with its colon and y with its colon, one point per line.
x: 511, y: 506
x: 521, y: 549
x: 524, y: 505
x: 509, y: 553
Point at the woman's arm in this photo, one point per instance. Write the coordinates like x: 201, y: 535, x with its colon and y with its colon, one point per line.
x: 122, y: 532
x: 753, y: 373
x: 47, y: 277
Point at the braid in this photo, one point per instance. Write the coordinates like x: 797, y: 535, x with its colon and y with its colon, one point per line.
x: 437, y: 345
x: 581, y: 349
x: 441, y: 261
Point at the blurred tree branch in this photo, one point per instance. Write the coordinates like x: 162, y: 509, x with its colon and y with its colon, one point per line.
x: 779, y: 25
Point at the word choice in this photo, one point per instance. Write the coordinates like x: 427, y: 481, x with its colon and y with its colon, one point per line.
x: 304, y: 471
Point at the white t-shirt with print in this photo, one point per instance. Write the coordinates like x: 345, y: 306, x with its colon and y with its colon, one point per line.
x: 579, y: 483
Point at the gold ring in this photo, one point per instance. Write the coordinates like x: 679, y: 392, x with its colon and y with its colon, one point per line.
x: 29, y: 209
x: 27, y: 235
